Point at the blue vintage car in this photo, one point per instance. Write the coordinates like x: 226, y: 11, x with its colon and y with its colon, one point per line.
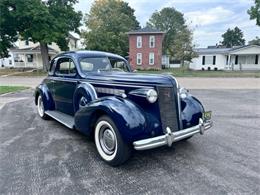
x: 98, y: 94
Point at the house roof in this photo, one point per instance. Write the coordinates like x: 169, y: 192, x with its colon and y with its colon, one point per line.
x: 73, y: 35
x: 222, y: 50
x: 146, y: 30
x: 212, y: 50
x: 36, y: 49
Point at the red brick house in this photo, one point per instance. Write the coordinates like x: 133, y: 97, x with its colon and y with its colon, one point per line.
x: 145, y: 48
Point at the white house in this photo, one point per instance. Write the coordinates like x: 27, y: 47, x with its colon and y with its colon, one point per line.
x: 167, y: 62
x: 237, y: 58
x: 26, y: 54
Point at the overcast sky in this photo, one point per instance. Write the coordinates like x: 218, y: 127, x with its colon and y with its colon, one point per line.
x: 209, y: 19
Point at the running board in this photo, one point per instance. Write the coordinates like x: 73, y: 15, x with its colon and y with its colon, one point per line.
x: 65, y: 119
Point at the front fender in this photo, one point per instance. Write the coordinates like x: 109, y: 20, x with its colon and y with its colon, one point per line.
x: 127, y: 116
x: 47, y: 99
x: 192, y: 111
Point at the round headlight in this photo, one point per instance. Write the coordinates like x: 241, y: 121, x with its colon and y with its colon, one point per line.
x: 151, y: 95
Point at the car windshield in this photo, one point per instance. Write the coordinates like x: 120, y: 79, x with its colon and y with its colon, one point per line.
x: 98, y: 64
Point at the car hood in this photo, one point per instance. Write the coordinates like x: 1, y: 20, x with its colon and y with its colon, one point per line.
x: 131, y: 78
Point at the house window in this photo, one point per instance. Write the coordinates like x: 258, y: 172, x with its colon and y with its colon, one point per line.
x: 203, y: 60
x: 26, y: 42
x: 139, y: 42
x: 139, y: 59
x: 214, y: 60
x: 151, y: 58
x: 29, y: 58
x: 208, y: 60
x: 152, y: 41
x: 256, y: 59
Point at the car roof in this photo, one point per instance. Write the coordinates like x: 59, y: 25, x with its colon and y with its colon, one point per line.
x: 89, y: 53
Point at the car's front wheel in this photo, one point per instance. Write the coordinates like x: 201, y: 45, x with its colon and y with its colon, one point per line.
x: 109, y: 143
x: 40, y: 108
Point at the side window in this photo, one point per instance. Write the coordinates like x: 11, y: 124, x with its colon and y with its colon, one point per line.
x: 65, y: 66
x: 50, y: 72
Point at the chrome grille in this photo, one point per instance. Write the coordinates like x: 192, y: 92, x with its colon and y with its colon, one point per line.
x: 168, y: 104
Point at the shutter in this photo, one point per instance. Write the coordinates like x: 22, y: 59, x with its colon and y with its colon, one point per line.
x: 203, y: 60
x: 214, y: 60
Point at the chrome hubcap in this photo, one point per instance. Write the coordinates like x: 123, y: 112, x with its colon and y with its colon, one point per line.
x: 108, y: 140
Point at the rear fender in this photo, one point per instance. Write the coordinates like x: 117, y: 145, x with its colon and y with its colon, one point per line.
x: 127, y: 116
x: 47, y: 98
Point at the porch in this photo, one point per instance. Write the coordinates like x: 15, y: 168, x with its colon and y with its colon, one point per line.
x: 29, y: 57
x: 243, y: 62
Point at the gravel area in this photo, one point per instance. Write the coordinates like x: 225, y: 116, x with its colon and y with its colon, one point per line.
x: 43, y: 157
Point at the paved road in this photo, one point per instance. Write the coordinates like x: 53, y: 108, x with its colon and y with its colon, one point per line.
x: 43, y: 157
x: 189, y: 83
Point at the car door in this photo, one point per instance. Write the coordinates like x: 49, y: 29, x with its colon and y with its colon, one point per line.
x: 64, y: 85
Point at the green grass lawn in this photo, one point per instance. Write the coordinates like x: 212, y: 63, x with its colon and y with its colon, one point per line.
x: 8, y: 89
x: 179, y: 72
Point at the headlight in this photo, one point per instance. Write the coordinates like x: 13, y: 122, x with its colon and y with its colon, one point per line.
x: 183, y: 93
x: 151, y: 95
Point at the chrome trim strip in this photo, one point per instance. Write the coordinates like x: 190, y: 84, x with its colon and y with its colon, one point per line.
x: 172, y: 136
x: 108, y: 90
x: 178, y: 102
x: 179, y: 109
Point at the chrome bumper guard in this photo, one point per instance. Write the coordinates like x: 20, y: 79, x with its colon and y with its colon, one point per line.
x: 169, y: 137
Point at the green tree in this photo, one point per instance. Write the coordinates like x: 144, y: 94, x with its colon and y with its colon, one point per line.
x: 178, y: 38
x: 255, y: 41
x: 182, y: 46
x: 107, y: 25
x: 8, y: 27
x: 40, y: 21
x: 254, y: 12
x: 233, y: 37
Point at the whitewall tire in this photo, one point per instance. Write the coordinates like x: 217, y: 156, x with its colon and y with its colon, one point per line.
x: 40, y: 108
x: 109, y: 143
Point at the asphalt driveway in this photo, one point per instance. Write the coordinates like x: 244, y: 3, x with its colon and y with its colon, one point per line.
x: 43, y: 157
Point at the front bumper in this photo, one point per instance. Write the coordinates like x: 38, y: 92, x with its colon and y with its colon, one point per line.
x: 169, y: 137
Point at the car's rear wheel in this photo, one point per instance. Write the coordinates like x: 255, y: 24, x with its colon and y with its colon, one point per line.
x: 40, y: 108
x: 109, y: 143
